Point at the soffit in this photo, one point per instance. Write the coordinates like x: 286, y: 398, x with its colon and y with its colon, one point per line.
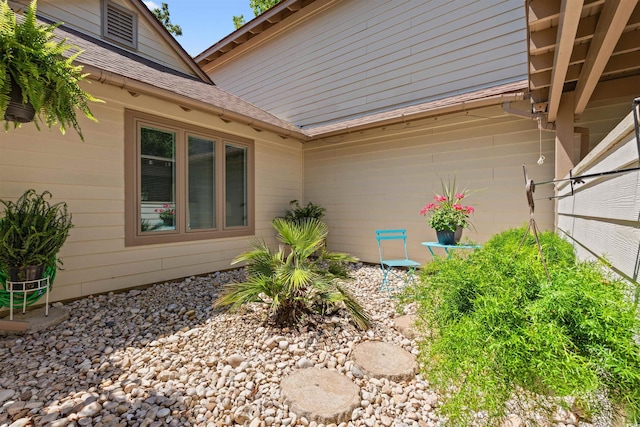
x: 586, y: 46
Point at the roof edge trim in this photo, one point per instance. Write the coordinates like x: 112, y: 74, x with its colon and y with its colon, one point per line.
x: 164, y: 33
x: 438, y: 111
x: 122, y: 82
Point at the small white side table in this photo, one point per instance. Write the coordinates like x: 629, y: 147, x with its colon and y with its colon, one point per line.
x: 25, y: 287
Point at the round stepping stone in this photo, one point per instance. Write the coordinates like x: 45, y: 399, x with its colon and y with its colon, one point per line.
x: 320, y: 395
x: 381, y: 359
x: 406, y: 325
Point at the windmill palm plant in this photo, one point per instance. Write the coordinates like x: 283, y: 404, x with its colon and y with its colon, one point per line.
x: 290, y: 280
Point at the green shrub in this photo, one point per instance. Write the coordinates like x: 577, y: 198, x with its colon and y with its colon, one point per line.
x: 500, y: 329
x: 292, y: 281
x: 300, y: 213
x: 32, y: 231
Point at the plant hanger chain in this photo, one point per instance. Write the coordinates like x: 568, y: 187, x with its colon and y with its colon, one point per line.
x: 541, y: 158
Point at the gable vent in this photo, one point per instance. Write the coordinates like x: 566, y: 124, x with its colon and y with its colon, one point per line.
x: 119, y: 24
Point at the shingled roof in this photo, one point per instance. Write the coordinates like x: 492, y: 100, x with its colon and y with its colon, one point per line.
x: 111, y: 64
x: 106, y: 62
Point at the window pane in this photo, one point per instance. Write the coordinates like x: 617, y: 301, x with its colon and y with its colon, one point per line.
x: 202, y: 188
x: 236, y: 186
x: 157, y: 179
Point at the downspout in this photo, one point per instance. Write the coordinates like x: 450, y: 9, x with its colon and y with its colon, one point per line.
x: 136, y: 87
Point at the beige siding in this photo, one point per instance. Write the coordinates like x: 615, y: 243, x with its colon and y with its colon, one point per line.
x: 382, y: 178
x: 86, y: 17
x: 89, y: 176
x: 602, y: 218
x: 367, y: 55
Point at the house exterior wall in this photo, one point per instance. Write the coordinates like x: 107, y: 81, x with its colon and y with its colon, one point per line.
x: 381, y: 178
x: 363, y: 56
x: 85, y: 16
x: 89, y: 176
x: 602, y: 218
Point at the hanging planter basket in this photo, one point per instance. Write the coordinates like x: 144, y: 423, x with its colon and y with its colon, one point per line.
x: 39, y: 68
x: 17, y: 111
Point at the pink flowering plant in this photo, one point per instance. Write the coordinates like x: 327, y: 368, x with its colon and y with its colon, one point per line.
x: 167, y: 212
x: 447, y: 211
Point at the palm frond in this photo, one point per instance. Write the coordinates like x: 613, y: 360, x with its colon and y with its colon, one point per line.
x: 355, y: 310
x: 292, y: 280
x: 238, y: 294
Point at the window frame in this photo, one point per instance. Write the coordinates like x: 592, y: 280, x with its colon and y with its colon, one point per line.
x: 133, y: 192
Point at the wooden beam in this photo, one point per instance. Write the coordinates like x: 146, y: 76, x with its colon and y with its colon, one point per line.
x: 620, y: 63
x: 540, y: 63
x: 584, y: 141
x: 543, y: 41
x: 274, y: 18
x: 565, y: 148
x: 570, y: 11
x: 541, y: 80
x: 618, y: 88
x: 613, y: 19
x: 543, y: 13
x: 542, y: 10
x: 540, y: 95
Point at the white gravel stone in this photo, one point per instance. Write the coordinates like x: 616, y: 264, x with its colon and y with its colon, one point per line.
x: 6, y: 395
x: 164, y: 356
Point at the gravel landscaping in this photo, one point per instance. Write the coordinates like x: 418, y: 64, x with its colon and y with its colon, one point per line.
x: 163, y: 356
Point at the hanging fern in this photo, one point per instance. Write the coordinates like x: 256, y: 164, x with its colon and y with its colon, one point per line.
x: 36, y: 62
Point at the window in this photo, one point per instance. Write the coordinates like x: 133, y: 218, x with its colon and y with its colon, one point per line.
x: 119, y: 24
x: 184, y: 182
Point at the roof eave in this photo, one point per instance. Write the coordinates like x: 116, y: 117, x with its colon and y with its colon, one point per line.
x: 187, y: 103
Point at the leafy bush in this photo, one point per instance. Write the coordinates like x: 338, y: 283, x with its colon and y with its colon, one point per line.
x: 500, y: 330
x: 301, y: 213
x: 32, y: 231
x: 291, y: 281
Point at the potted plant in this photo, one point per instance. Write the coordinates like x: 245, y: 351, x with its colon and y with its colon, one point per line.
x: 167, y: 214
x: 32, y: 231
x: 36, y: 78
x: 447, y: 215
x: 302, y: 213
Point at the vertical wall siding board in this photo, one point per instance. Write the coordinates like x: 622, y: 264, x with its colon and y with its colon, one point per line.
x: 478, y: 45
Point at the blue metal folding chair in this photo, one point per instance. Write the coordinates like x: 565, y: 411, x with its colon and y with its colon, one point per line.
x: 388, y: 265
